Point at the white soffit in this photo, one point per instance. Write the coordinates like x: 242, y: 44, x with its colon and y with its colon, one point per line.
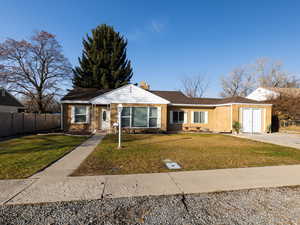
x: 129, y: 94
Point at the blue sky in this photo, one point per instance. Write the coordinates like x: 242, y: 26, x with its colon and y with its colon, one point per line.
x: 169, y: 39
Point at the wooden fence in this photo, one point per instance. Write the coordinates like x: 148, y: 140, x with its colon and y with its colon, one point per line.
x: 22, y: 123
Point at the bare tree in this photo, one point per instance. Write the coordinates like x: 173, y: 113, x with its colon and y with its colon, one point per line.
x: 270, y: 74
x: 239, y: 82
x: 194, y: 86
x: 35, y: 68
x: 286, y: 106
x: 264, y: 72
x: 51, y: 105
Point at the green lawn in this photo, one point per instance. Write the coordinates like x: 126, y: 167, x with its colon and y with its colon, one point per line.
x: 22, y: 157
x: 143, y: 153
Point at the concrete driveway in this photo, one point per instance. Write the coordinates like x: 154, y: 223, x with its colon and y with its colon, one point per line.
x: 284, y: 139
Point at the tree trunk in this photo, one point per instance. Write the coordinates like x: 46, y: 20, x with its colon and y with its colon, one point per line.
x: 40, y: 103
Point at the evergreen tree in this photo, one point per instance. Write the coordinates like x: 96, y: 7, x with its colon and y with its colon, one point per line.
x: 103, y: 63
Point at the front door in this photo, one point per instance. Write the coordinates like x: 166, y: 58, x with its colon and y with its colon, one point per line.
x: 105, y: 119
x: 247, y: 120
x: 257, y: 114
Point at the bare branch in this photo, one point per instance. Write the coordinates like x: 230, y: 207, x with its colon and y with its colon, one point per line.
x: 238, y: 83
x: 264, y: 73
x: 35, y: 68
x: 194, y: 86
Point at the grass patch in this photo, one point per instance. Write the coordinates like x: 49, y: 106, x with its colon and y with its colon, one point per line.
x: 144, y: 153
x: 22, y: 157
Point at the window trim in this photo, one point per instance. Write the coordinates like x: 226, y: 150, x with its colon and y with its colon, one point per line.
x: 148, y: 117
x: 86, y: 114
x: 205, y: 117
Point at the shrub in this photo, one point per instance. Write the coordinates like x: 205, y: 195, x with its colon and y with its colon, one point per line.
x: 236, y: 126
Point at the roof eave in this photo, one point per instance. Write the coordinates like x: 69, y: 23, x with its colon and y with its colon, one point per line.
x: 214, y: 105
x: 74, y: 101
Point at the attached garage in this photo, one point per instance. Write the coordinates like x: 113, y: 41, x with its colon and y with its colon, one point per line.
x: 252, y: 120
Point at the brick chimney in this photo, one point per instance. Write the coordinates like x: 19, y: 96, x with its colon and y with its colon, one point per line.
x: 144, y: 85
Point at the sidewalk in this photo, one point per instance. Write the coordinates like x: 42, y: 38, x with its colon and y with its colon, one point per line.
x: 52, y: 189
x: 69, y: 163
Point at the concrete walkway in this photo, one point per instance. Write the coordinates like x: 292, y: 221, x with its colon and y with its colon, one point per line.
x: 51, y: 189
x: 69, y: 163
x: 284, y: 139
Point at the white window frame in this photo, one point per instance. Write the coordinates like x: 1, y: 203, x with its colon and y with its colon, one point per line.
x: 205, y: 117
x: 87, y: 113
x: 148, y: 117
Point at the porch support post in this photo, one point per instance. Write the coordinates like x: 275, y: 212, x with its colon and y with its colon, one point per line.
x: 120, y: 108
x: 119, y: 145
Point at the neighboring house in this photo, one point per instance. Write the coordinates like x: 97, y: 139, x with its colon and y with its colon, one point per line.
x: 144, y: 109
x: 267, y: 93
x: 9, y: 103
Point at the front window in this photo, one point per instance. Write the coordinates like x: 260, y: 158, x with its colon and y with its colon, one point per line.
x: 152, y: 117
x: 139, y: 117
x: 199, y: 117
x: 80, y: 114
x: 178, y: 117
x: 126, y: 117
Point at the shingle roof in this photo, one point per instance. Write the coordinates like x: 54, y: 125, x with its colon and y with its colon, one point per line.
x: 172, y: 96
x: 175, y: 97
x: 8, y: 99
x: 84, y: 94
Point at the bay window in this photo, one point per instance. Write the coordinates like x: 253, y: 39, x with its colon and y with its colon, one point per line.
x: 140, y: 117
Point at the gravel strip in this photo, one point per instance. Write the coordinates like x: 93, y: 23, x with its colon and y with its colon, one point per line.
x: 257, y: 206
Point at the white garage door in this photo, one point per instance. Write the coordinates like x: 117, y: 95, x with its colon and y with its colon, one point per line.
x: 252, y: 120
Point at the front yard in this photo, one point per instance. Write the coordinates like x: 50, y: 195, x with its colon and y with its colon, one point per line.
x: 22, y: 157
x: 144, y: 153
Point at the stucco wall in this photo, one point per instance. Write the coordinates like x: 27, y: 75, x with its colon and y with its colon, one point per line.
x: 222, y: 119
x: 189, y: 125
